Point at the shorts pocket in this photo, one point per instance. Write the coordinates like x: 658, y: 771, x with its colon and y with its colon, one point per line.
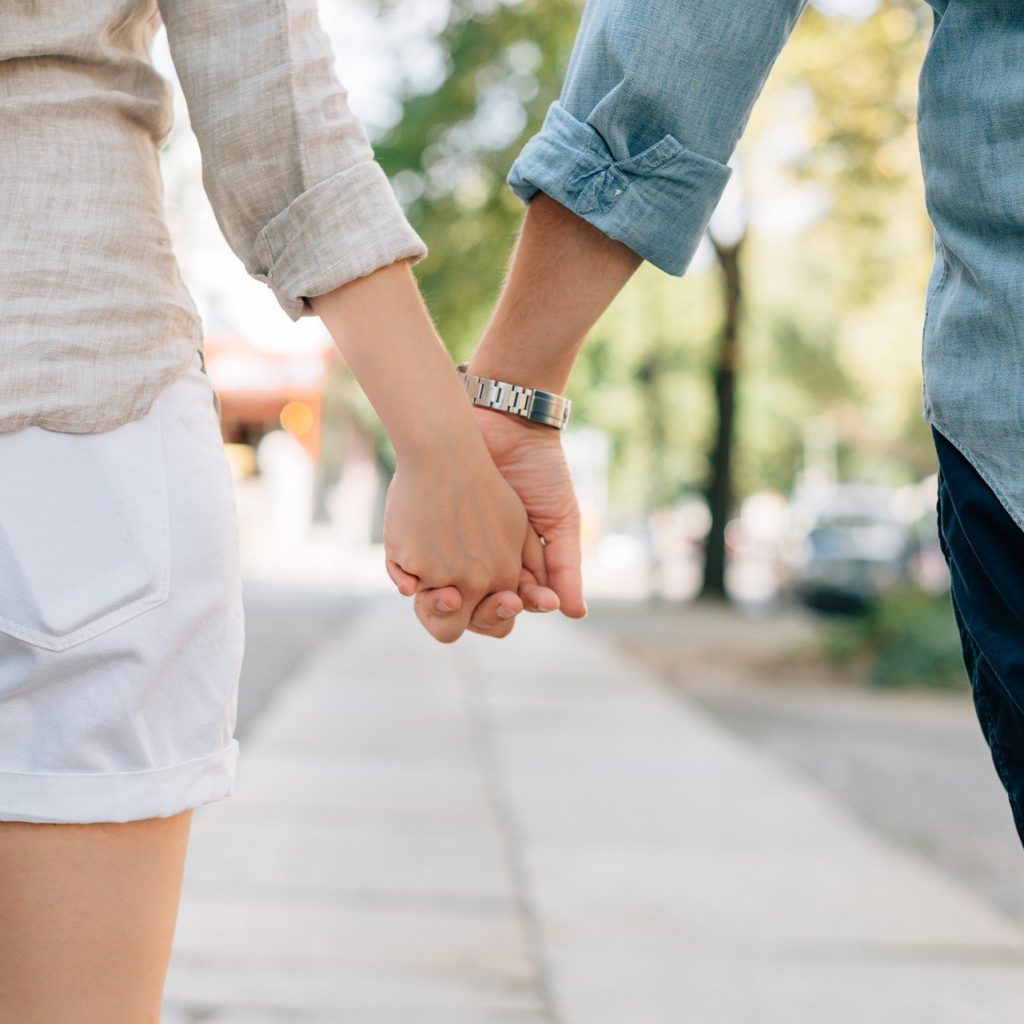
x: 84, y: 530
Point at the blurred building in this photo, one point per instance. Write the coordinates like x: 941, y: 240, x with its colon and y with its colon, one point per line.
x: 261, y: 391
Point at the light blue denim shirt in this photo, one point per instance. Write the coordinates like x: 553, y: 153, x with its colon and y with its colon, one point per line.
x: 656, y: 97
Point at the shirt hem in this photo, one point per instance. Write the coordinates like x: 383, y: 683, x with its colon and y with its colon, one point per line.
x: 1009, y: 507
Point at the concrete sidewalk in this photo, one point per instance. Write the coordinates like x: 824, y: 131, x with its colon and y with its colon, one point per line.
x: 537, y: 831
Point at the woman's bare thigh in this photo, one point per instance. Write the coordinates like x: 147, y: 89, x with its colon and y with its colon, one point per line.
x: 87, y: 916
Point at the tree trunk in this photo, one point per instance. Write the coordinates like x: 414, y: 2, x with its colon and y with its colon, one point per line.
x: 719, y: 491
x: 649, y: 375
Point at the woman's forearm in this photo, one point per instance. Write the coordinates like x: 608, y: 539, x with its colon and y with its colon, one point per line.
x: 382, y: 328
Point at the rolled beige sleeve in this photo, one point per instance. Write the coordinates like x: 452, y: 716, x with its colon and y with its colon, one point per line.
x: 287, y: 166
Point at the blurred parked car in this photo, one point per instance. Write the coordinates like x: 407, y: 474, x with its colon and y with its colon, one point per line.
x: 851, y: 545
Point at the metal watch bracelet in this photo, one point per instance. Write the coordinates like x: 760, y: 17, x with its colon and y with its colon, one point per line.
x: 531, y: 403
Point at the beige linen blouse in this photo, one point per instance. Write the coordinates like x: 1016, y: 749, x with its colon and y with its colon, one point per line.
x: 95, y: 320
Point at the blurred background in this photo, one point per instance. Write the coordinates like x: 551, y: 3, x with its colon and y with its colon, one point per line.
x: 756, y: 477
x: 762, y: 441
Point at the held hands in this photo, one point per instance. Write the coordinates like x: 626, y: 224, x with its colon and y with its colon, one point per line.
x: 457, y: 537
x: 475, y: 577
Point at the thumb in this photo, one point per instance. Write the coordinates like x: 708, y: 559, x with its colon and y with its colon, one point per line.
x: 562, y: 555
x: 536, y: 598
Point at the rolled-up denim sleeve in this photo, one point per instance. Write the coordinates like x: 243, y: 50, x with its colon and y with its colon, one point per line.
x: 287, y: 166
x: 656, y: 96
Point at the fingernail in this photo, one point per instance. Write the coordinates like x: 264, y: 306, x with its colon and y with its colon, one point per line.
x: 443, y: 606
x: 504, y: 612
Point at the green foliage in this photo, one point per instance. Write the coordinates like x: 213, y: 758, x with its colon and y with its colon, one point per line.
x: 834, y: 306
x: 852, y: 281
x: 907, y: 639
x: 453, y: 147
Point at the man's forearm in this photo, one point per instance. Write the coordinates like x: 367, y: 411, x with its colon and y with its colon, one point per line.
x: 563, y: 275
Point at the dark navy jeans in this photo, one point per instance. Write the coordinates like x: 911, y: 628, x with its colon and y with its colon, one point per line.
x: 984, y: 549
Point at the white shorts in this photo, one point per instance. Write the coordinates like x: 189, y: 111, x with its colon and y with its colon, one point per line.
x: 121, y: 621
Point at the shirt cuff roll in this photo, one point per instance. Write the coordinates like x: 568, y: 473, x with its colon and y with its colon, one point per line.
x: 340, y: 229
x: 658, y: 201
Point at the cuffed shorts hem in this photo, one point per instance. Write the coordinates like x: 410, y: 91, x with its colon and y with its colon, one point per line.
x: 120, y: 796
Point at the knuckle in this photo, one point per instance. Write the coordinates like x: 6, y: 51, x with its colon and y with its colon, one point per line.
x: 477, y: 579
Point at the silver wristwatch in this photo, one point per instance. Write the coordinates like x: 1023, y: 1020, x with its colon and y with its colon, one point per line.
x: 531, y: 403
